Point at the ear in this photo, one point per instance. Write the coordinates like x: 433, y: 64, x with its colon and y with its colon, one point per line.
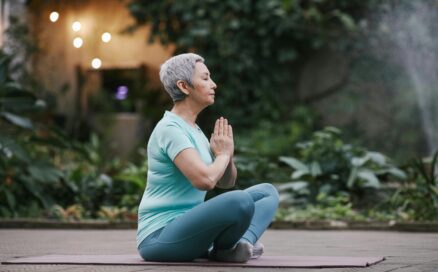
x: 183, y: 86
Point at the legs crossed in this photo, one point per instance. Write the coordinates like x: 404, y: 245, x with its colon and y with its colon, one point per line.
x: 221, y: 221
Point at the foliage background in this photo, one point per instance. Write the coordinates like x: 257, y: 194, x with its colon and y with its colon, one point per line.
x: 257, y: 52
x: 254, y: 48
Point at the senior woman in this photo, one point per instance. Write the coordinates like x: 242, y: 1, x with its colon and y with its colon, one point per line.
x: 174, y: 222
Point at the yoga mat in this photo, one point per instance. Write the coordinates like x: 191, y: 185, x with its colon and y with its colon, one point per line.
x: 263, y: 261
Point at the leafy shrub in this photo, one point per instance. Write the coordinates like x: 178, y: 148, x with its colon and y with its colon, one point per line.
x: 257, y: 149
x: 325, y: 164
x: 41, y: 169
x: 254, y: 169
x: 95, y: 182
x: 326, y: 208
x: 337, y: 207
x: 26, y: 171
x: 417, y: 198
x: 271, y: 139
x: 259, y: 43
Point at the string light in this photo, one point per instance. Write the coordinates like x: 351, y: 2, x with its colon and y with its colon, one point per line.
x: 106, y: 37
x: 96, y: 63
x: 78, y: 42
x: 76, y: 26
x: 54, y: 16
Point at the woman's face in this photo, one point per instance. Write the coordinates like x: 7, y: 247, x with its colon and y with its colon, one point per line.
x: 204, y: 86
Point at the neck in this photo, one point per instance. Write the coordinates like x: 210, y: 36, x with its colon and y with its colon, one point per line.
x: 187, y: 111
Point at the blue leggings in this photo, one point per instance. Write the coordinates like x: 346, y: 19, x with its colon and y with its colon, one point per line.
x: 221, y: 221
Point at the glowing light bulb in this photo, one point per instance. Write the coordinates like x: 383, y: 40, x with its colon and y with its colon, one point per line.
x: 106, y: 37
x: 78, y: 42
x: 96, y: 63
x: 76, y: 26
x: 54, y: 16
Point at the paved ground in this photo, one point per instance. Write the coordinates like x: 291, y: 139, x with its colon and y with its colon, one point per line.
x: 404, y: 251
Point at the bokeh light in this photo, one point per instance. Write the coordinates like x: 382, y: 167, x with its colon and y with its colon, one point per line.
x: 106, y: 37
x: 76, y: 26
x: 54, y: 16
x: 78, y: 42
x: 96, y: 63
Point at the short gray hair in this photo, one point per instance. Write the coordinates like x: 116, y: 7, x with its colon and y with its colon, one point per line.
x: 179, y: 67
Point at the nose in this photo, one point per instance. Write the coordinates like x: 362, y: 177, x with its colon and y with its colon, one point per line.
x: 214, y: 86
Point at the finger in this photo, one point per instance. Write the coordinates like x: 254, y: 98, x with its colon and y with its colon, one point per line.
x: 216, y: 127
x: 230, y: 131
x: 221, y: 126
x: 225, y: 127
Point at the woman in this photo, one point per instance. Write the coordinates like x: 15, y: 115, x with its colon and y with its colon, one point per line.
x: 174, y: 222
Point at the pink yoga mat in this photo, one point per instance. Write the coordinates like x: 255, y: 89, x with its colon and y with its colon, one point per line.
x: 264, y: 261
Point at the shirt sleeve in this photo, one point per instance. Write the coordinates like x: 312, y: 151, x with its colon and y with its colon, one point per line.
x: 173, y: 140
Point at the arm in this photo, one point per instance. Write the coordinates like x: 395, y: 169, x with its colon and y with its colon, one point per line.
x: 200, y: 175
x: 228, y: 180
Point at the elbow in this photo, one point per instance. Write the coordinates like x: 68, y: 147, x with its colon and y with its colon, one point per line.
x: 207, y: 187
x: 207, y: 184
x: 204, y: 183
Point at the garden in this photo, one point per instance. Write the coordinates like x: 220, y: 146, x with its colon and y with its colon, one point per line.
x: 327, y: 99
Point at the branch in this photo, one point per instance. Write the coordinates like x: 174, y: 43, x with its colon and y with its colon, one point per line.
x: 328, y: 92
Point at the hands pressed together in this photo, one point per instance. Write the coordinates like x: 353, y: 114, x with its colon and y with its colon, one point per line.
x: 221, y: 141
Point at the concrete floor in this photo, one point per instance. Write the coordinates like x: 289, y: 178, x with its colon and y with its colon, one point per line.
x: 404, y: 251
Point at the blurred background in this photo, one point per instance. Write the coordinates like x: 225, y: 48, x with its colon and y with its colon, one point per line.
x: 334, y: 102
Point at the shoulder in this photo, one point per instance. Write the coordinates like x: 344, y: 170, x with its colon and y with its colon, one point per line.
x: 168, y: 131
x: 168, y: 126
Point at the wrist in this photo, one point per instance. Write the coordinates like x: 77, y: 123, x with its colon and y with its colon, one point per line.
x: 223, y: 155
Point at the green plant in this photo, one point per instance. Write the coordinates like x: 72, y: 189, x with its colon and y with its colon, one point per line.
x: 257, y: 149
x: 327, y: 207
x: 253, y: 169
x: 269, y: 139
x: 417, y: 198
x: 30, y: 147
x: 95, y: 182
x: 254, y: 48
x: 26, y: 172
x: 325, y: 164
x: 130, y: 184
x: 41, y: 168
